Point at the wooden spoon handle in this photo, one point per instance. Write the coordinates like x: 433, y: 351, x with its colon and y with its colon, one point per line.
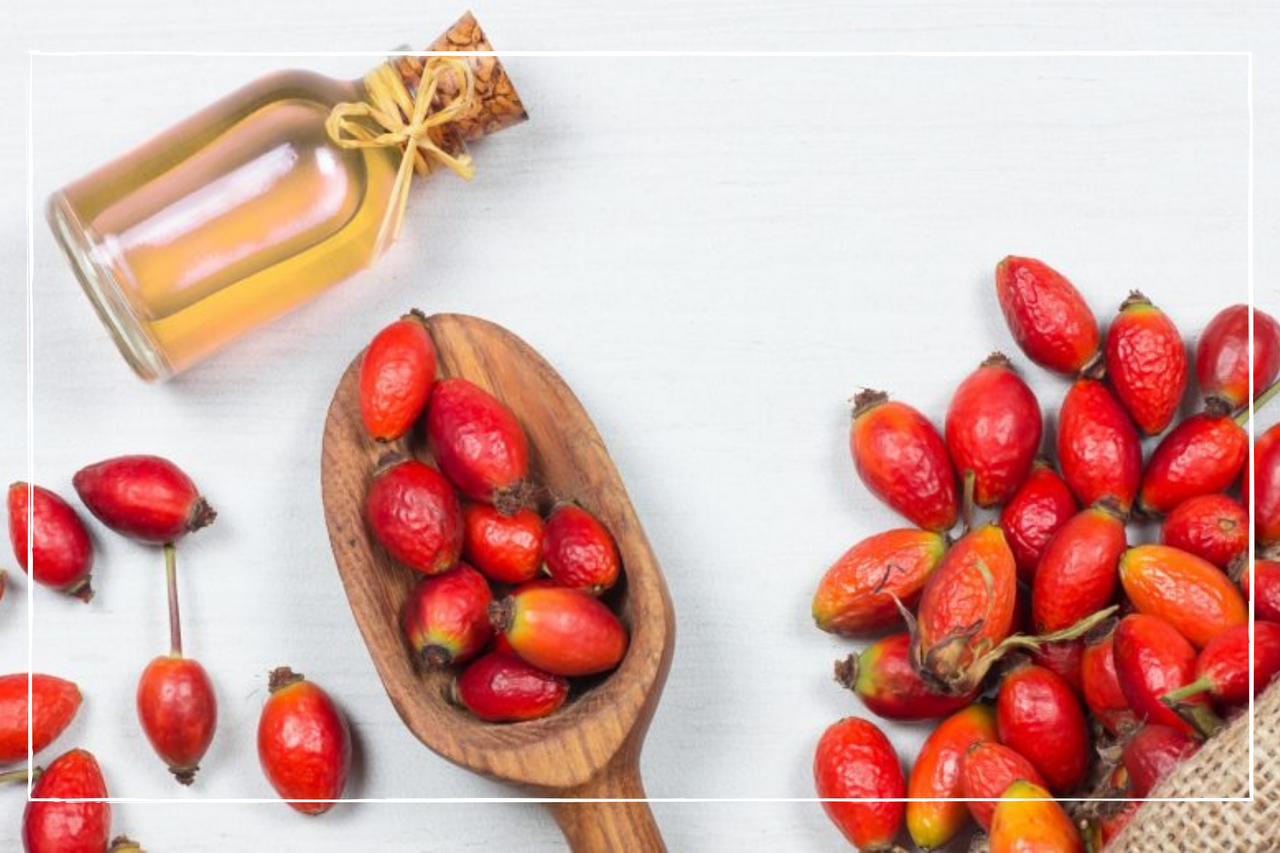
x: 610, y: 827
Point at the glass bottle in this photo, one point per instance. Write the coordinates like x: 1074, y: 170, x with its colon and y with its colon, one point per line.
x: 248, y: 208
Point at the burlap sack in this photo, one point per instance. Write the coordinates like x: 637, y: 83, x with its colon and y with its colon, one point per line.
x: 1219, y: 769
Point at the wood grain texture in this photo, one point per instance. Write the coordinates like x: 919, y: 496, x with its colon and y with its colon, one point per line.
x: 591, y: 747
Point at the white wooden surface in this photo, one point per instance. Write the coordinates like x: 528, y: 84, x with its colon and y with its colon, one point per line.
x: 714, y: 252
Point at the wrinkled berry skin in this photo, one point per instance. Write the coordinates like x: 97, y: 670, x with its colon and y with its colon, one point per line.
x: 1047, y: 316
x: 178, y: 711
x: 1152, y: 659
x: 477, y: 442
x: 1027, y: 820
x: 1264, y: 588
x: 1266, y: 489
x: 55, y: 706
x: 414, y: 512
x: 854, y: 760
x: 562, y: 631
x: 1215, y: 528
x: 396, y: 376
x: 856, y: 594
x: 579, y: 551
x: 55, y: 827
x: 1077, y: 572
x: 888, y: 685
x: 304, y: 743
x: 1223, y: 665
x: 993, y: 430
x: 147, y: 498
x: 989, y: 769
x: 1102, y: 693
x: 903, y: 460
x: 1193, y: 596
x: 1201, y: 456
x: 1042, y: 504
x: 1222, y: 356
x: 501, y: 688
x: 1146, y: 363
x: 1064, y: 659
x: 61, y: 549
x: 936, y: 773
x: 1152, y: 754
x: 446, y: 617
x: 505, y: 548
x: 1098, y: 447
x: 1039, y: 717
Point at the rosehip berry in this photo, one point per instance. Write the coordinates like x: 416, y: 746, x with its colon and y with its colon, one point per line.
x: 1077, y: 571
x: 1098, y: 448
x: 501, y: 688
x: 146, y: 498
x: 1152, y: 754
x: 1201, y: 456
x: 561, y: 631
x: 178, y: 711
x: 1102, y: 691
x: 855, y: 760
x: 884, y: 679
x: 936, y: 779
x: 993, y: 431
x: 446, y: 618
x: 1027, y: 818
x: 50, y: 826
x: 856, y: 595
x: 1214, y: 528
x: 55, y: 706
x: 1266, y: 585
x: 1152, y: 659
x: 1222, y: 669
x: 414, y: 513
x: 579, y: 551
x: 1190, y: 594
x: 1222, y: 357
x: 988, y: 771
x: 1266, y: 489
x: 61, y: 550
x: 396, y: 376
x: 1042, y: 504
x: 1047, y: 316
x: 304, y: 744
x: 505, y: 548
x: 1146, y: 363
x: 1039, y: 717
x: 901, y: 458
x: 478, y: 443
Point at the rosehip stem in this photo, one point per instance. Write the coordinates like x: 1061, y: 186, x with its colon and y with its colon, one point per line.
x: 966, y: 504
x: 21, y: 775
x: 1242, y: 417
x: 1195, y: 688
x: 175, y: 620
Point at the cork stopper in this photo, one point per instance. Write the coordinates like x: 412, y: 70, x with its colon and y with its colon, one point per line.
x: 497, y: 105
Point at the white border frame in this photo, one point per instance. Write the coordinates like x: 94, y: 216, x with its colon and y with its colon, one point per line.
x: 614, y: 54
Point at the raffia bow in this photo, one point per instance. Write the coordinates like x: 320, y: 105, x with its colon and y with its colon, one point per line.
x: 406, y: 121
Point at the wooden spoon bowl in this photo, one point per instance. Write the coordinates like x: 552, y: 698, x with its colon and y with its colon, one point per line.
x: 590, y: 748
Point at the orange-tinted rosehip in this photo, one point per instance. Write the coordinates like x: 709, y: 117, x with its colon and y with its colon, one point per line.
x: 478, y: 443
x: 55, y: 706
x: 1152, y: 659
x: 1098, y: 447
x: 446, y: 617
x: 396, y: 376
x: 857, y: 593
x: 304, y: 744
x: 1152, y: 754
x: 1042, y: 504
x: 1265, y: 588
x: 967, y: 608
x: 146, y: 498
x: 1193, y: 596
x: 505, y: 548
x: 1201, y: 456
x: 561, y: 631
x: 1222, y: 356
x: 1214, y: 528
x: 1222, y: 669
x: 1146, y: 363
x: 61, y: 550
x: 1040, y: 718
x: 1047, y: 315
x: 884, y: 679
x: 414, y: 513
x: 937, y: 780
x: 993, y: 430
x: 49, y: 826
x: 855, y: 760
x: 1077, y: 572
x: 579, y: 551
x: 1102, y: 693
x: 1028, y: 820
x: 178, y: 711
x: 1266, y: 489
x: 501, y: 688
x: 903, y: 460
x: 989, y: 769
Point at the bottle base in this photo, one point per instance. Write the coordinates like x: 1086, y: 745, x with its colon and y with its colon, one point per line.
x: 106, y: 294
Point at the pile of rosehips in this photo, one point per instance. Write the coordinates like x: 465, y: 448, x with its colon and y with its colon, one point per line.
x: 468, y: 526
x: 1060, y: 658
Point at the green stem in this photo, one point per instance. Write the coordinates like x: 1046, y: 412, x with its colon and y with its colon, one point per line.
x: 1195, y: 688
x: 20, y: 775
x: 175, y: 620
x: 1242, y: 417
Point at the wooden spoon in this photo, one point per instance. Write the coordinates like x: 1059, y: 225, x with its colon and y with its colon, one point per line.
x: 590, y: 748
